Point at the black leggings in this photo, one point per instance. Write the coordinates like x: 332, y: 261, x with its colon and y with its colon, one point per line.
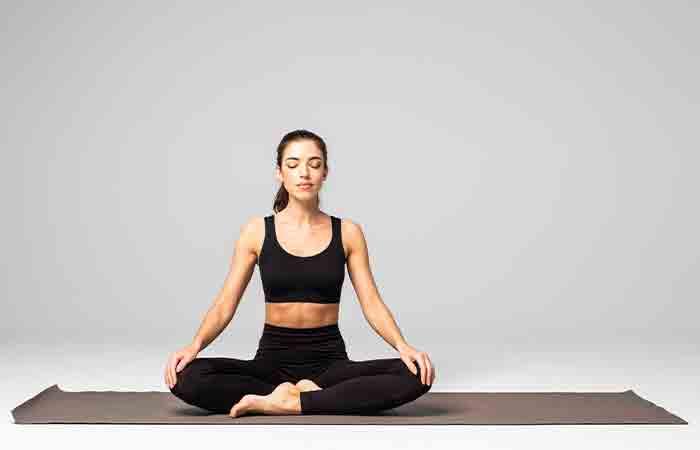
x: 291, y: 354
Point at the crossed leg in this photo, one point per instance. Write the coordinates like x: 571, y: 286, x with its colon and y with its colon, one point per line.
x: 217, y: 383
x: 366, y: 386
x: 236, y: 386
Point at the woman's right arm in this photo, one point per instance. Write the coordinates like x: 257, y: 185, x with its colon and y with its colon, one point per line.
x: 226, y: 302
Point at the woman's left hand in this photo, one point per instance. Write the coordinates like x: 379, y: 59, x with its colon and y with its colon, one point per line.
x: 409, y: 354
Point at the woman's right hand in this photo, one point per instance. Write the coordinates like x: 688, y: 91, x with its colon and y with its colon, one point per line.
x: 176, y: 362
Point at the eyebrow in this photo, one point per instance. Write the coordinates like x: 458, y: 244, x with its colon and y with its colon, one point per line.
x: 295, y: 158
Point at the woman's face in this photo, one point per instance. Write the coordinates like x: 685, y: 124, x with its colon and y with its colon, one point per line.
x: 302, y: 164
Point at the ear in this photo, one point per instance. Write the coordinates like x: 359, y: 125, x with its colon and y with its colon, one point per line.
x: 278, y: 175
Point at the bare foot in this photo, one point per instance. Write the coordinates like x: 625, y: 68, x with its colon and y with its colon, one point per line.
x: 248, y: 403
x: 284, y: 400
x: 307, y: 385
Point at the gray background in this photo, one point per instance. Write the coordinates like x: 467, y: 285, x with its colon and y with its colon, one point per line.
x: 526, y: 177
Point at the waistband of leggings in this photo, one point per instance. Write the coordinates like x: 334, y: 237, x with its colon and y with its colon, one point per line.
x: 324, y: 329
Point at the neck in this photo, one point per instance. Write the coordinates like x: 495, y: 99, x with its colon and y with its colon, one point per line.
x: 301, y: 215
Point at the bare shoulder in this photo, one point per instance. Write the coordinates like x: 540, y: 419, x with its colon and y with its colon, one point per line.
x: 252, y: 225
x: 252, y: 234
x: 353, y: 236
x: 349, y: 225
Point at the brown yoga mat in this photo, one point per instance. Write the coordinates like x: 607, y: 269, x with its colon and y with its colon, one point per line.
x: 53, y: 405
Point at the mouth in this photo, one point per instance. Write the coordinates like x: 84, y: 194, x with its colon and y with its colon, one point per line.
x: 305, y: 185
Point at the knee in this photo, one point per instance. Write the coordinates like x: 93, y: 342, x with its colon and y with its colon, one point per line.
x: 189, y: 380
x: 418, y: 387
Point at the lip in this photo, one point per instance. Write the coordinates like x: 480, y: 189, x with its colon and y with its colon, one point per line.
x: 305, y: 185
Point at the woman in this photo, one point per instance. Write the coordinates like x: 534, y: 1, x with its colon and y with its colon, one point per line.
x: 301, y: 365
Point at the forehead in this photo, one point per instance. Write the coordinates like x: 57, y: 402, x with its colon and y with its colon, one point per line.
x: 303, y: 149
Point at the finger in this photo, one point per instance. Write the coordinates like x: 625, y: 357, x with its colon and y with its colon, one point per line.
x: 170, y: 378
x: 430, y: 370
x: 167, y: 371
x: 173, y: 376
x: 410, y: 365
x: 426, y: 370
x: 421, y: 364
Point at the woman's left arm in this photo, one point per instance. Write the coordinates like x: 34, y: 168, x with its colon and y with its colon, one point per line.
x: 375, y: 311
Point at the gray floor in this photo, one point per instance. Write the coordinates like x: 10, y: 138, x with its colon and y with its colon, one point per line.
x: 670, y: 382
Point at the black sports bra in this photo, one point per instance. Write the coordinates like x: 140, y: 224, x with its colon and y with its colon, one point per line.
x: 290, y: 278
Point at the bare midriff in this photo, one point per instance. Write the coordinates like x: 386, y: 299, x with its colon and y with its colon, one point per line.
x: 301, y: 314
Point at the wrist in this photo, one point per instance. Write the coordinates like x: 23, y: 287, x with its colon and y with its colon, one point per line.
x: 196, y: 346
x: 401, y: 346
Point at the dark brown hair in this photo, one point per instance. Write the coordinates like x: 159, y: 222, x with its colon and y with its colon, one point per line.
x: 282, y: 197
